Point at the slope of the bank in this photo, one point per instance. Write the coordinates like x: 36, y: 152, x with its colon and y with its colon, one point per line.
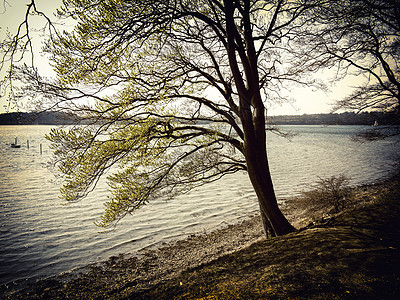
x: 356, y: 254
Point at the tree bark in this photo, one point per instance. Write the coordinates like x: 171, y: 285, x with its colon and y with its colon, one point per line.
x: 255, y: 151
x: 270, y: 212
x: 268, y: 231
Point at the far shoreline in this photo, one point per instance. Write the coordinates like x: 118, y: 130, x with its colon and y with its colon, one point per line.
x: 322, y: 119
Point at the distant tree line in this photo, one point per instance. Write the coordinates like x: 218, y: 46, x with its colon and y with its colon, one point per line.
x: 347, y: 118
x: 33, y: 118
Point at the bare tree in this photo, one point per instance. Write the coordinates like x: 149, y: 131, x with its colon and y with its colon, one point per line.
x: 363, y: 38
x: 172, y: 93
x: 17, y: 48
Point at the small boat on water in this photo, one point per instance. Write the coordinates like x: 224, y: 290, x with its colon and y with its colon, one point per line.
x: 376, y: 123
x: 15, y: 145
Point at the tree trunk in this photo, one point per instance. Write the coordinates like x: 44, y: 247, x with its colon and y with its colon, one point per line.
x: 260, y: 176
x: 240, y: 45
x: 270, y: 212
x: 268, y: 231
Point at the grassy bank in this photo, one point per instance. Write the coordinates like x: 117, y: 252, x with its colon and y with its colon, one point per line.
x: 351, y: 254
x: 354, y: 254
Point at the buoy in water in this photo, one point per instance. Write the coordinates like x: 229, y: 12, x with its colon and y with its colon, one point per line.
x: 15, y: 145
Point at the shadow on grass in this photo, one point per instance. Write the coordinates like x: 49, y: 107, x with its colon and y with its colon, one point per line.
x: 353, y: 255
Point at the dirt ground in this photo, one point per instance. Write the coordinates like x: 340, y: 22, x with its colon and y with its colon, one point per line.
x: 354, y: 254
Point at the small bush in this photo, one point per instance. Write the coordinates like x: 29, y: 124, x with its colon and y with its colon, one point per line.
x: 330, y: 193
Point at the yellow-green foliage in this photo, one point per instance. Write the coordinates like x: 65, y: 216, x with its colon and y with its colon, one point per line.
x: 125, y: 73
x: 143, y: 157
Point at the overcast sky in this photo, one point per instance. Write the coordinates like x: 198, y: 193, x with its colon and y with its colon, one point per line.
x: 307, y: 100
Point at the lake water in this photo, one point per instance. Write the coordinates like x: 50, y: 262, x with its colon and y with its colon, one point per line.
x: 40, y: 236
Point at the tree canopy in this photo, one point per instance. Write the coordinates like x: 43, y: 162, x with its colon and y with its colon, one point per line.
x: 173, y: 94
x: 159, y: 73
x: 365, y: 41
x: 363, y: 37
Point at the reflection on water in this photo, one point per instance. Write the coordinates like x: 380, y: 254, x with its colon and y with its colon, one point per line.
x: 40, y: 236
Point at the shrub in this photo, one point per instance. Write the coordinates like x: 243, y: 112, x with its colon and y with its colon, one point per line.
x: 330, y: 193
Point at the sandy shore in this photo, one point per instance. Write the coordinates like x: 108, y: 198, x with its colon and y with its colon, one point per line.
x: 149, y: 267
x: 124, y: 276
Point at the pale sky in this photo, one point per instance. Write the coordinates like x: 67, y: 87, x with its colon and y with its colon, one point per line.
x: 307, y: 100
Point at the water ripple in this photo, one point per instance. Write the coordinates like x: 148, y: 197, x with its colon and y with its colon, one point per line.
x: 40, y: 237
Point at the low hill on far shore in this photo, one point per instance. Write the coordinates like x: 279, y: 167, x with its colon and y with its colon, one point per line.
x: 346, y: 118
x: 36, y: 118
